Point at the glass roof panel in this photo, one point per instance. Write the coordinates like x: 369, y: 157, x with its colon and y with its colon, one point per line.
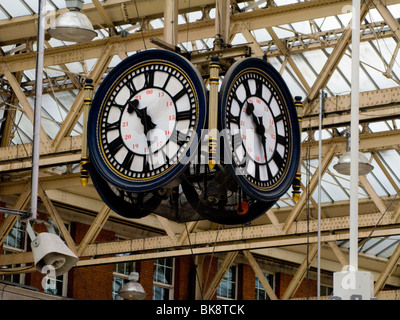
x: 17, y: 9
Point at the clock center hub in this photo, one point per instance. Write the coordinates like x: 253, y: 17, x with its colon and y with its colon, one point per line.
x: 257, y: 129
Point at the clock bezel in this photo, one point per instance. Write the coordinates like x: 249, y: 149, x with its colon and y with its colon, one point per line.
x: 103, y: 93
x: 284, y: 182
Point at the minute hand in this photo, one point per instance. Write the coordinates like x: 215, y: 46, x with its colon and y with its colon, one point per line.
x: 260, y: 129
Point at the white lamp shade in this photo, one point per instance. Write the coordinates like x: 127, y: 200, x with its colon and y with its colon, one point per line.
x: 343, y: 166
x: 72, y: 26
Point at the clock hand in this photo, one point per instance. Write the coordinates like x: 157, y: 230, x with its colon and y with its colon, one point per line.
x: 142, y: 114
x: 260, y: 129
x: 132, y: 106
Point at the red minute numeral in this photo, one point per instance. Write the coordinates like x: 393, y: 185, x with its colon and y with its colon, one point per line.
x: 150, y: 91
x: 125, y: 124
x: 127, y: 136
x: 172, y: 117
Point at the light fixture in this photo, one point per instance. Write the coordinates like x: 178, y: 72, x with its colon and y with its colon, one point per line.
x: 343, y: 166
x: 73, y: 25
x: 132, y: 290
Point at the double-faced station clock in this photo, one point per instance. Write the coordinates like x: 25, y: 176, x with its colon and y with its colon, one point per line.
x: 260, y: 127
x: 145, y: 119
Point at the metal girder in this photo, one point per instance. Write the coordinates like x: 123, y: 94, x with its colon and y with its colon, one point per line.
x: 76, y: 109
x: 27, y: 108
x: 94, y: 229
x: 390, y: 266
x: 300, y: 274
x: 216, y: 280
x: 10, y: 220
x: 332, y: 61
x: 52, y: 211
x: 313, y: 184
x: 257, y: 270
x: 232, y: 239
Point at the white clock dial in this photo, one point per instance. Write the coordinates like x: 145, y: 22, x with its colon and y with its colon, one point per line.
x: 148, y: 120
x: 258, y: 128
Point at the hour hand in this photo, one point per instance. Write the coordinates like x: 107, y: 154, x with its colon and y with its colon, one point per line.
x: 260, y: 129
x: 142, y: 114
x: 133, y: 106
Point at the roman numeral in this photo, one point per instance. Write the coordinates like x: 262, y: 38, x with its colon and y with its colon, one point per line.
x: 179, y: 138
x: 278, y: 159
x: 146, y: 164
x: 166, y: 81
x: 112, y: 126
x: 128, y: 160
x: 278, y: 118
x: 269, y: 173
x: 149, y: 79
x: 131, y: 87
x: 246, y: 88
x: 281, y: 140
x: 234, y: 119
x: 115, y: 145
x: 259, y: 86
x: 235, y: 96
x: 257, y: 171
x: 184, y: 115
x: 237, y: 141
x: 179, y: 95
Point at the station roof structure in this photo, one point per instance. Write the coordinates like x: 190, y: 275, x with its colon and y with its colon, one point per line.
x: 308, y: 42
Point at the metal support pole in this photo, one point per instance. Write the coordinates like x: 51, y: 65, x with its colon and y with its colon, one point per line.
x: 354, y: 142
x: 38, y: 107
x: 321, y: 108
x: 87, y: 102
x: 213, y: 113
x: 297, y: 180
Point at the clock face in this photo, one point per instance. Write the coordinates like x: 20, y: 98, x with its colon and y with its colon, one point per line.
x: 145, y: 119
x: 261, y: 128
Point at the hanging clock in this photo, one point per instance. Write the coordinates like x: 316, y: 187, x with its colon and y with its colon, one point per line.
x: 145, y: 119
x: 260, y: 129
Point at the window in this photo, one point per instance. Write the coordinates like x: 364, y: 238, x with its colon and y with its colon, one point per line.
x: 16, y: 278
x: 16, y: 237
x: 261, y: 294
x: 227, y: 287
x: 13, y: 243
x: 325, y: 291
x: 163, y: 279
x: 54, y: 285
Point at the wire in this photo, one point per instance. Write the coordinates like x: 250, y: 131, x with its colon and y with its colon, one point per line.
x: 378, y: 222
x: 141, y: 27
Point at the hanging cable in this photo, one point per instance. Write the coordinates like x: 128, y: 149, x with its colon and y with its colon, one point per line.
x: 141, y: 26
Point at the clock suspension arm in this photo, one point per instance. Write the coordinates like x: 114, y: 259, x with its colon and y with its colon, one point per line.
x: 213, y: 113
x: 87, y: 102
x: 297, y: 180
